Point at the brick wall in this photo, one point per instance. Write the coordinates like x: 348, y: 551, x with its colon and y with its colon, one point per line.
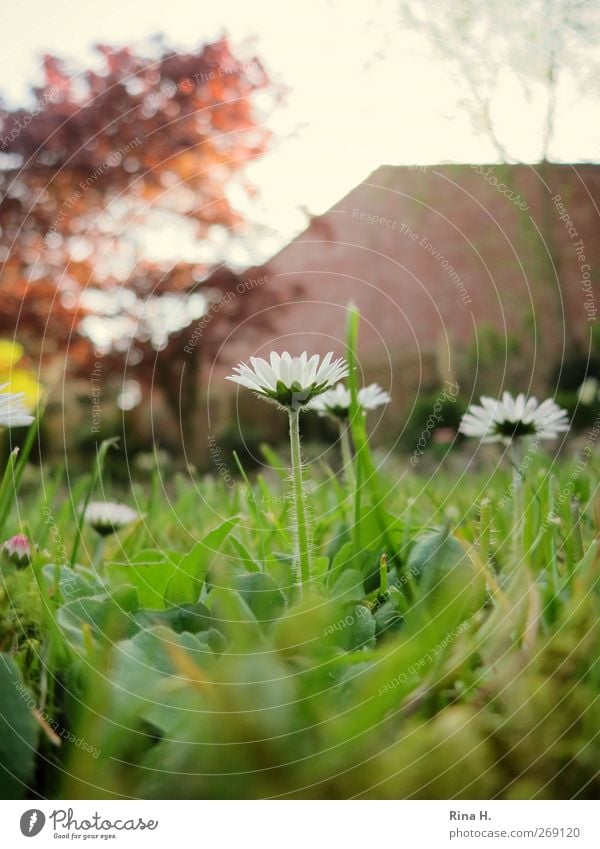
x: 435, y: 257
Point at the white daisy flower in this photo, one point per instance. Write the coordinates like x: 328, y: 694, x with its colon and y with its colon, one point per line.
x: 106, y: 517
x: 511, y: 418
x: 13, y: 412
x: 292, y: 382
x: 372, y: 396
x: 336, y: 402
x: 588, y: 391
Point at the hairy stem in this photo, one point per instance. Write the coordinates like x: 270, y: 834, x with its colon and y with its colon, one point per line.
x: 303, y: 551
x: 516, y: 452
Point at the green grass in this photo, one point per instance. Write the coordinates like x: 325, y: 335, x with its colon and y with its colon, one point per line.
x: 182, y: 667
x: 445, y: 643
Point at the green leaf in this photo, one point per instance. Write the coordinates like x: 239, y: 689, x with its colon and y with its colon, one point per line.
x: 261, y: 594
x: 149, y: 572
x: 274, y: 461
x: 147, y: 678
x: 348, y: 559
x: 360, y: 634
x: 352, y: 627
x: 107, y: 618
x: 185, y: 583
x: 8, y: 487
x: 348, y: 587
x: 280, y: 569
x: 249, y: 563
x: 367, y: 474
x: 18, y: 732
x: 71, y: 583
x: 342, y: 556
x: 388, y: 619
x: 101, y: 453
x: 433, y: 553
x: 234, y: 617
x: 189, y: 617
x: 446, y: 574
x: 319, y: 568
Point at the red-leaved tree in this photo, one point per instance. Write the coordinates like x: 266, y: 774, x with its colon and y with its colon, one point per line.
x: 104, y: 163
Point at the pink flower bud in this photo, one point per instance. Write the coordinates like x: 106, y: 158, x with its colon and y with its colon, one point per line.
x: 18, y: 549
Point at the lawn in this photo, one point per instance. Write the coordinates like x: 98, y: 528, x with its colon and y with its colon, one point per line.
x: 438, y: 638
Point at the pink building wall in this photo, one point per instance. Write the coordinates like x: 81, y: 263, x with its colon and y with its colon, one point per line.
x: 433, y: 256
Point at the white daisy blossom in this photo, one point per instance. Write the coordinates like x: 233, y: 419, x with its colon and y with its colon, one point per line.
x: 373, y: 396
x: 510, y: 418
x: 292, y: 382
x: 106, y: 517
x: 13, y: 412
x: 588, y: 391
x: 336, y: 401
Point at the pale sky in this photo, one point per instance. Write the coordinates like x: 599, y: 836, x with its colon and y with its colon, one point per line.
x: 350, y: 107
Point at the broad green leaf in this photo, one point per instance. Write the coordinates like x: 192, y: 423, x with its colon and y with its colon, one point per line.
x: 248, y: 561
x: 187, y: 617
x: 149, y: 572
x: 234, y: 617
x: 150, y: 673
x: 261, y: 594
x: 185, y: 583
x: 107, y: 618
x: 18, y: 732
x: 319, y: 568
x: 348, y: 587
x: 446, y: 573
x: 342, y: 556
x: 352, y: 628
x: 388, y: 616
x: 72, y: 583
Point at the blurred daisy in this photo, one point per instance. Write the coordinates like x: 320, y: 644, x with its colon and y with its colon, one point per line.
x: 512, y: 418
x: 13, y: 412
x: 291, y: 382
x: 106, y: 517
x: 336, y: 402
x: 588, y: 391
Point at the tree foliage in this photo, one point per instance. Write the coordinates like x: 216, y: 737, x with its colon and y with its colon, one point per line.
x: 107, y: 157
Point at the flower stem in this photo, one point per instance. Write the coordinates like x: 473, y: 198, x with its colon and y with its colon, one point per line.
x: 99, y: 553
x: 484, y: 531
x: 299, y: 498
x: 516, y: 451
x: 576, y: 531
x: 347, y: 458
